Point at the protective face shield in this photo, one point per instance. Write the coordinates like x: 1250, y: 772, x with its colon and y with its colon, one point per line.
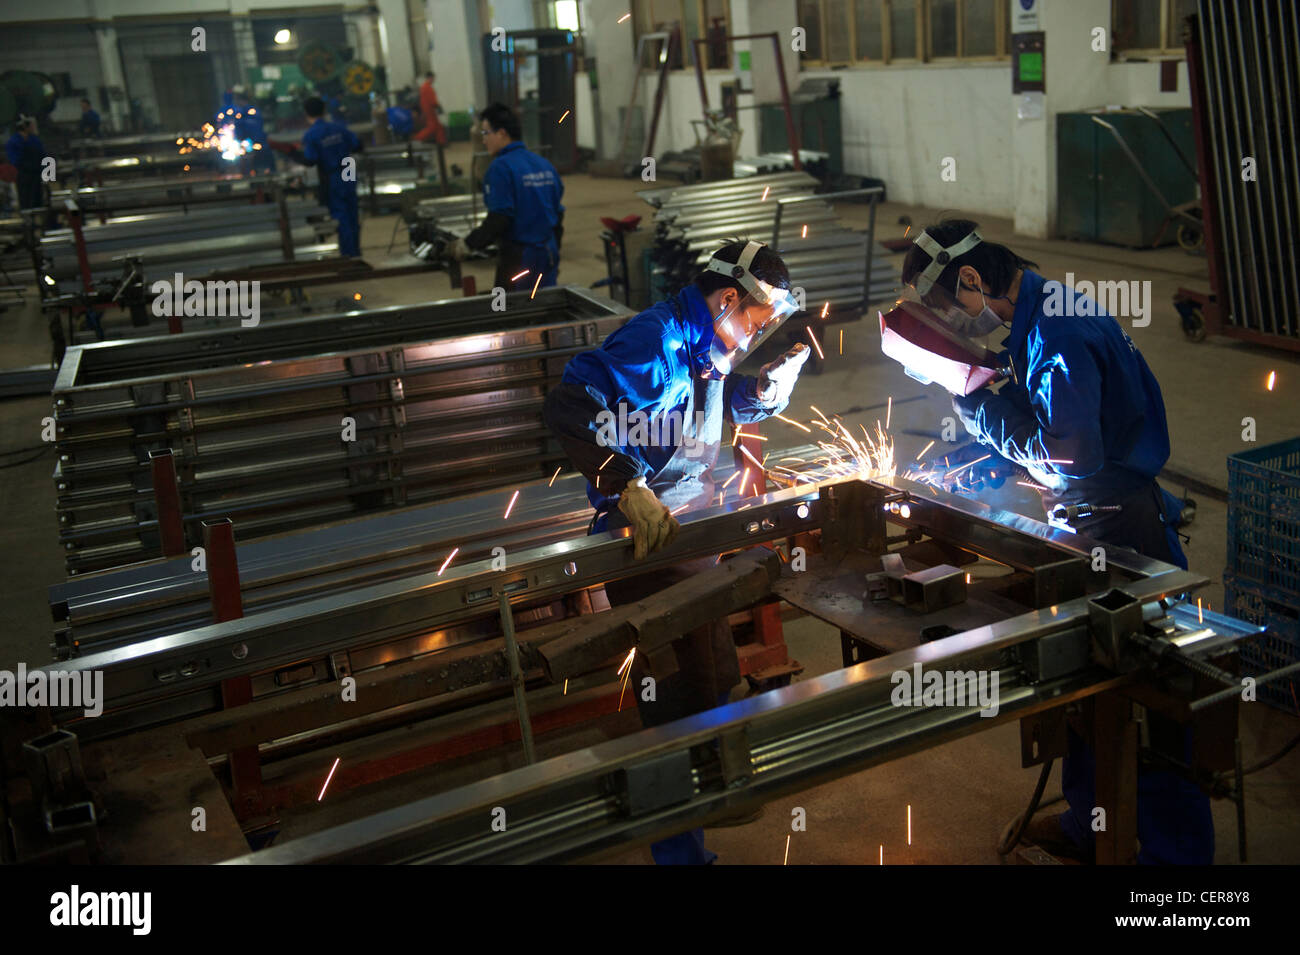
x: 757, y: 312
x: 928, y: 348
x: 943, y: 303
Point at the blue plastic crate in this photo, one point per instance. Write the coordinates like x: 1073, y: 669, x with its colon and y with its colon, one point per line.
x: 1264, y: 518
x: 1277, y: 647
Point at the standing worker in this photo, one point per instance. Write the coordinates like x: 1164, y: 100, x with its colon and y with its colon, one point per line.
x: 674, y: 362
x: 522, y: 193
x: 429, y: 110
x: 1085, y: 417
x: 326, y: 145
x: 88, y: 124
x: 26, y: 153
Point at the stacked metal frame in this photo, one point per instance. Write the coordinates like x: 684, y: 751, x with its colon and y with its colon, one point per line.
x: 1247, y: 80
x: 304, y: 422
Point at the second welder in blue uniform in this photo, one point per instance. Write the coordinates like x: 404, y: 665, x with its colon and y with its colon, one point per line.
x: 1084, y: 416
x: 249, y: 128
x: 525, y: 218
x: 326, y: 145
x: 663, y: 366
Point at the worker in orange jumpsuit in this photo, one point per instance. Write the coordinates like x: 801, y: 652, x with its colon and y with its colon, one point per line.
x: 430, y: 109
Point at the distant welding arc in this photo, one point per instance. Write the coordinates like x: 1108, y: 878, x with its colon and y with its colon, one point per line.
x: 328, y: 778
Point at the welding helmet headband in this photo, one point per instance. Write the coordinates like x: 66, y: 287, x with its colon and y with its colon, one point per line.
x: 758, y: 311
x: 943, y: 303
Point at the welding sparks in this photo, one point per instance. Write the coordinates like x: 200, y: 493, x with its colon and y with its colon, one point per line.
x: 626, y: 665
x: 889, y: 410
x: 758, y: 464
x: 820, y: 353
x: 328, y: 778
x: 787, y: 850
x: 805, y: 232
x: 453, y: 553
x: 765, y: 190
x: 826, y: 308
x: 841, y: 341
x: 1272, y: 377
x: 1036, y: 487
x: 818, y: 412
x: 801, y: 427
x: 744, y: 477
x: 554, y: 476
x: 566, y: 687
x: 925, y: 449
x: 1200, y: 613
x: 566, y: 113
x: 909, y: 805
x: 536, y: 284
x: 624, y: 17
x: 970, y: 465
x: 882, y: 855
x: 677, y: 511
x: 511, y: 506
x: 907, y: 230
x: 606, y: 461
x: 516, y: 278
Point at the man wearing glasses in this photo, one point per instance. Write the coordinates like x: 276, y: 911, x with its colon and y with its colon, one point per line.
x: 525, y: 219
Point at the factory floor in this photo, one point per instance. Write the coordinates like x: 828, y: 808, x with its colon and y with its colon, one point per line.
x: 961, y: 794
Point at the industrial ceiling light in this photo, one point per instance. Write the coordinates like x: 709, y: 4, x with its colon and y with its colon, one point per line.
x: 282, y: 37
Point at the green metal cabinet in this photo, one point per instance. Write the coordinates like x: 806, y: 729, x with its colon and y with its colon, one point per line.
x: 1100, y: 196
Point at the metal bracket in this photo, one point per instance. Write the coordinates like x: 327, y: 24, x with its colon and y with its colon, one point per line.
x: 663, y: 781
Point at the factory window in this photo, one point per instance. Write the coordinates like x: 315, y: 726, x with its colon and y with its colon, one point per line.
x: 842, y: 32
x: 691, y: 23
x: 1148, y: 27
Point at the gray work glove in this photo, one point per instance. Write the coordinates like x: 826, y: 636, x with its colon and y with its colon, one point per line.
x: 652, y: 526
x: 776, y: 379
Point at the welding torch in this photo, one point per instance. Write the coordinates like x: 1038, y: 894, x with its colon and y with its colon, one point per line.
x: 1064, y: 513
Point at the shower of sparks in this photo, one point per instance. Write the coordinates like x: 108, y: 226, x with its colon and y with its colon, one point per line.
x: 536, y: 284
x: 820, y: 353
x: 606, y: 461
x: 786, y: 861
x: 566, y: 113
x: 889, y: 411
x: 516, y: 278
x: 624, y: 17
x: 805, y: 232
x: 818, y: 411
x: 734, y: 475
x: 970, y: 465
x: 909, y: 805
x: 453, y: 553
x: 554, y: 476
x: 802, y: 427
x: 925, y: 449
x: 757, y: 463
x: 826, y: 308
x: 511, y: 506
x: 328, y: 778
x: 765, y: 190
x: 1272, y: 377
x: 626, y: 666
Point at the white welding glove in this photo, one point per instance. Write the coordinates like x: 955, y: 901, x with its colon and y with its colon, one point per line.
x: 776, y: 379
x: 652, y: 526
x: 458, y: 250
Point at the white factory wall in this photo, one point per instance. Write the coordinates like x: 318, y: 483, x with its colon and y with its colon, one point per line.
x: 57, y: 49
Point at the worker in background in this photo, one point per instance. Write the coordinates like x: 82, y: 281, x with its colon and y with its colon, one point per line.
x: 674, y: 362
x: 88, y: 124
x: 249, y: 129
x: 1084, y: 416
x: 26, y: 153
x: 429, y: 110
x: 326, y: 145
x: 525, y: 219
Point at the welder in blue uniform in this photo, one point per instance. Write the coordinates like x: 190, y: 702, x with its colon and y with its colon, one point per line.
x: 1084, y: 416
x: 521, y: 192
x: 26, y: 153
x: 675, y: 362
x: 89, y: 123
x: 326, y: 145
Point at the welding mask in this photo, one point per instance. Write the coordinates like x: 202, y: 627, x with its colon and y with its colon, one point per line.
x: 759, y: 310
x: 943, y: 302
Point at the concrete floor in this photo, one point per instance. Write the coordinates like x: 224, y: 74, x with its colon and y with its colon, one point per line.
x: 962, y: 793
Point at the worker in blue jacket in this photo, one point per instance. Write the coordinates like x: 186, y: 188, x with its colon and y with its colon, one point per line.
x: 525, y: 219
x: 26, y: 153
x: 642, y: 418
x: 1083, y: 415
x: 329, y: 146
x: 89, y: 123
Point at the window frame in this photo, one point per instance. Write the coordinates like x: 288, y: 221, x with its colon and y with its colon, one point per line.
x: 1144, y: 54
x: 641, y: 16
x: 923, y: 54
